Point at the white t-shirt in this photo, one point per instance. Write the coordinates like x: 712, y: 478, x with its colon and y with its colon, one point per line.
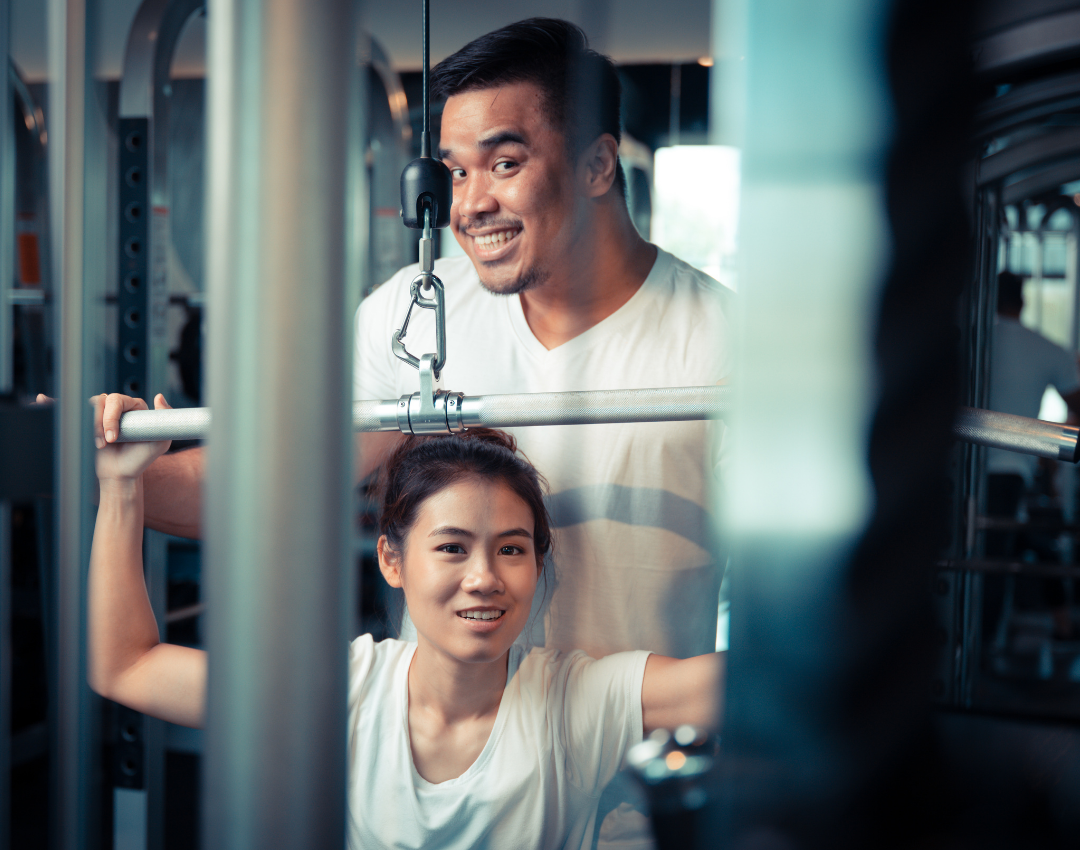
x: 562, y: 731
x: 633, y: 559
x: 1022, y: 364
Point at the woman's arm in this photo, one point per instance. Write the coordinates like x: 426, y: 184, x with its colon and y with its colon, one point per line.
x: 172, y: 495
x: 126, y: 661
x: 678, y: 691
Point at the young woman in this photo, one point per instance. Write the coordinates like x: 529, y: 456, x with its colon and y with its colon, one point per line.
x: 461, y: 739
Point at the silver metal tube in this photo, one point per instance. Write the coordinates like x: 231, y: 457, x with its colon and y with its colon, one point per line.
x: 278, y: 482
x: 1016, y: 434
x: 673, y: 404
x: 670, y: 404
x: 25, y: 296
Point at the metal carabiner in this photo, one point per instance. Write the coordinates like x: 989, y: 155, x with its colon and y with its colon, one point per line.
x: 436, y: 302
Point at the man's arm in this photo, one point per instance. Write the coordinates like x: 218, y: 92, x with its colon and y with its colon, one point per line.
x: 371, y: 449
x: 1072, y: 401
x: 678, y: 691
x: 173, y: 483
x: 173, y: 493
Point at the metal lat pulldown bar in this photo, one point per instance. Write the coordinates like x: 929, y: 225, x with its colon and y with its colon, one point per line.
x: 428, y: 412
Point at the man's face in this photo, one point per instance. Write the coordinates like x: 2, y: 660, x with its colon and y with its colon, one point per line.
x: 516, y: 210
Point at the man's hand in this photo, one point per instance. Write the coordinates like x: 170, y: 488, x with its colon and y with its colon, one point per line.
x: 122, y: 461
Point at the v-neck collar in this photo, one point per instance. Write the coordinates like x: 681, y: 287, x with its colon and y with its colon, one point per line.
x: 519, y: 324
x: 513, y: 661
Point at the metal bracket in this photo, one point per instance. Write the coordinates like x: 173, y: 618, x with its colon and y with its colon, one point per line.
x: 429, y: 411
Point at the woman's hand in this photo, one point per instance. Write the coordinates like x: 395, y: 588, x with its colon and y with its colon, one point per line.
x: 122, y: 461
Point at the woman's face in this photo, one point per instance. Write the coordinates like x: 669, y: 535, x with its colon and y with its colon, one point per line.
x: 468, y: 569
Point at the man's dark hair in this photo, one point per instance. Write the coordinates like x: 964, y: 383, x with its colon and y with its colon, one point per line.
x: 581, y: 88
x: 1010, y: 297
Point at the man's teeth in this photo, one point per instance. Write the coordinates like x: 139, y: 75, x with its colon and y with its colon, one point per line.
x: 490, y: 240
x: 481, y: 615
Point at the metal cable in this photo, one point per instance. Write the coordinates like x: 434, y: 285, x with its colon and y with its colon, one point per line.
x: 425, y: 134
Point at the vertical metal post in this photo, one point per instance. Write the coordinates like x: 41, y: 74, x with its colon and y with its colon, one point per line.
x: 5, y: 674
x: 67, y: 59
x: 7, y: 281
x: 7, y: 205
x: 77, y: 162
x: 276, y: 515
x: 675, y: 105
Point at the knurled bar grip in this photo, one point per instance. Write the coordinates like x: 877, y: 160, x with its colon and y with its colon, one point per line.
x: 595, y: 407
x: 1016, y: 434
x: 183, y: 423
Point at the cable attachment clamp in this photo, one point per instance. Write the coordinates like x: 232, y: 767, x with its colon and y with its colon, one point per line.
x: 429, y: 411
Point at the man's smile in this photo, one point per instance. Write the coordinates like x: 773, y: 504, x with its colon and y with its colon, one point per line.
x: 493, y: 244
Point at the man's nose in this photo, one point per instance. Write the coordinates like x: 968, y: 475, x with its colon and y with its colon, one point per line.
x: 474, y: 197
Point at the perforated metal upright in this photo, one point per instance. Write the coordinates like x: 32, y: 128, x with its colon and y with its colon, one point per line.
x: 142, y: 357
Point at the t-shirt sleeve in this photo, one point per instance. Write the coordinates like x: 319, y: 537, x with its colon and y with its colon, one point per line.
x: 361, y: 660
x: 600, y: 715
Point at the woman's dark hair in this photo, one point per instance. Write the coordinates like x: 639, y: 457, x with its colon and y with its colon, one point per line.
x: 422, y: 466
x: 582, y: 92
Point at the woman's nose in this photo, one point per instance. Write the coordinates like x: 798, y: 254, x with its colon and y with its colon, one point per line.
x: 481, y: 578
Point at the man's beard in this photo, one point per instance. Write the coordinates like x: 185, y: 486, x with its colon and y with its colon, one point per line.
x: 531, y: 279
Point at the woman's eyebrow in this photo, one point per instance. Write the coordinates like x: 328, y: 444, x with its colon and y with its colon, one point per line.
x: 451, y: 531
x: 516, y: 532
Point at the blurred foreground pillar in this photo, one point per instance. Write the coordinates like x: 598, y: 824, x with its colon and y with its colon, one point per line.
x: 850, y: 115
x: 278, y: 465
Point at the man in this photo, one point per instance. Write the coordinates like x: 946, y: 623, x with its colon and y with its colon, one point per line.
x: 558, y: 292
x: 1023, y: 364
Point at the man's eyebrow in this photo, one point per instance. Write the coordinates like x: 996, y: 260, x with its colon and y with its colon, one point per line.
x: 503, y: 138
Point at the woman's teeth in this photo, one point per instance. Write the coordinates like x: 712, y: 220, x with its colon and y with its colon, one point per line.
x: 481, y: 615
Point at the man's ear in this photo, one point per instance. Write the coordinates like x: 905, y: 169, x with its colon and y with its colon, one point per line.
x: 598, y: 165
x: 389, y: 562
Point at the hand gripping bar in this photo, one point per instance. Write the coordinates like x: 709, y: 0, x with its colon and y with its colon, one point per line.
x: 674, y: 404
